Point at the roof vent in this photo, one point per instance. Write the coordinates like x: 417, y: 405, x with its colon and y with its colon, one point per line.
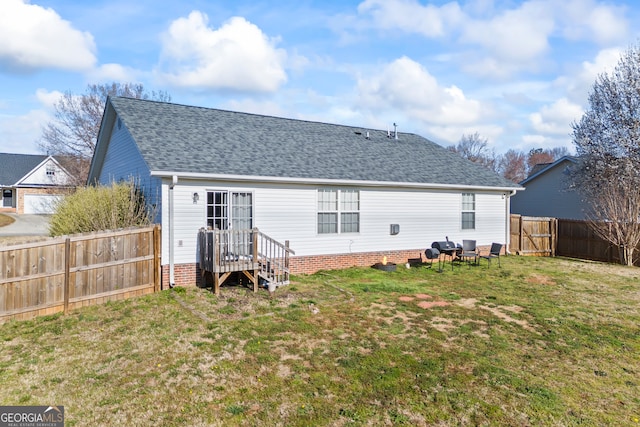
x: 395, y: 131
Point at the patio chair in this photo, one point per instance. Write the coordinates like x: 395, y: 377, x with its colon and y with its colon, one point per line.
x: 494, y: 252
x: 469, y: 252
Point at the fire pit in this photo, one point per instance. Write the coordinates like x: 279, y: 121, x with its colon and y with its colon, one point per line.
x: 384, y: 265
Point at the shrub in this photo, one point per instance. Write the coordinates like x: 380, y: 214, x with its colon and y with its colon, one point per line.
x: 100, y: 208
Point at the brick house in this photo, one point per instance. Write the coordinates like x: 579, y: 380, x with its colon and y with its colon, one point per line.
x: 31, y: 183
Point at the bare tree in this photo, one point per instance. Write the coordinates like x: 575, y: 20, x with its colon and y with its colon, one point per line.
x: 512, y: 165
x: 617, y: 202
x: 72, y: 135
x: 607, y: 141
x: 538, y: 156
x: 476, y: 148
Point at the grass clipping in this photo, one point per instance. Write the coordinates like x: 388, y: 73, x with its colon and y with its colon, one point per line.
x: 120, y: 205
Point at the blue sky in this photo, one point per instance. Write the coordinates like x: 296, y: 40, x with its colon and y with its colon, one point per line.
x: 516, y: 72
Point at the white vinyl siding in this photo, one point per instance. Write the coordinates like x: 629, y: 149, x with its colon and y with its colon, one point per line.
x: 289, y: 212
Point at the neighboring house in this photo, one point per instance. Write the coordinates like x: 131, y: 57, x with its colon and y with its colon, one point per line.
x: 342, y: 195
x: 549, y: 194
x: 31, y: 183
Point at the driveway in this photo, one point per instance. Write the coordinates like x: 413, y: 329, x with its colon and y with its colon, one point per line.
x: 26, y: 225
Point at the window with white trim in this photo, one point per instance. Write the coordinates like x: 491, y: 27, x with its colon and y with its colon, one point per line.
x: 468, y: 211
x: 338, y: 211
x: 349, y: 211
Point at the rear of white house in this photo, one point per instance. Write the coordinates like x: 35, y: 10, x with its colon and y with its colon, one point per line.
x: 340, y: 195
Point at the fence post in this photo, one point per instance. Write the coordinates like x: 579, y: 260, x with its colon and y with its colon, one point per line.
x: 521, y: 231
x: 67, y: 274
x: 554, y: 236
x: 156, y: 258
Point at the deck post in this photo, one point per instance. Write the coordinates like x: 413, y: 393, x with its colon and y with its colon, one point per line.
x: 286, y: 259
x: 216, y: 264
x: 254, y: 260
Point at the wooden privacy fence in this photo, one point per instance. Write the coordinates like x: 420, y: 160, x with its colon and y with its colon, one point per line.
x: 576, y: 239
x: 535, y: 236
x: 73, y: 271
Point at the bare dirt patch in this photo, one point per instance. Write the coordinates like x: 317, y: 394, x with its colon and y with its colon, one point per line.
x: 431, y: 304
x: 467, y: 302
x: 540, y: 279
x: 499, y: 313
x: 405, y: 298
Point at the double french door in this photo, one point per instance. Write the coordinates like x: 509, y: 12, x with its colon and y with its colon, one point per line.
x: 228, y: 210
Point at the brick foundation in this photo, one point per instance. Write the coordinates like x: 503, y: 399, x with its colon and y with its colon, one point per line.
x: 311, y: 264
x: 190, y: 275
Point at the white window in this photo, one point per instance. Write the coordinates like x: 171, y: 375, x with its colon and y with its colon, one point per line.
x: 338, y: 210
x: 327, y: 211
x: 468, y: 211
x: 349, y: 211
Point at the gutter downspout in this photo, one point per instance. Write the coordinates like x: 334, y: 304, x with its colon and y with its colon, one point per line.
x: 172, y: 279
x: 507, y: 215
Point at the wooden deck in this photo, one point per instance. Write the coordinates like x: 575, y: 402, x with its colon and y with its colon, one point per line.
x: 260, y: 258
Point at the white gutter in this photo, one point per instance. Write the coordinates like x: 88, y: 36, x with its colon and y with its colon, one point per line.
x: 507, y: 214
x: 362, y: 183
x: 172, y: 278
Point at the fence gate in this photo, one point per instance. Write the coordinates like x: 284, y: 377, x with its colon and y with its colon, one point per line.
x: 534, y: 236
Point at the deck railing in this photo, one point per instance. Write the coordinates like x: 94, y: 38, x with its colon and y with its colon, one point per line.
x: 246, y: 250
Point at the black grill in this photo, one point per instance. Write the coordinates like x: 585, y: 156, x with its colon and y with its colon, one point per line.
x: 443, y: 245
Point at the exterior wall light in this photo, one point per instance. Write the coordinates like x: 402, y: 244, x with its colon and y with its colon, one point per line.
x: 196, y: 197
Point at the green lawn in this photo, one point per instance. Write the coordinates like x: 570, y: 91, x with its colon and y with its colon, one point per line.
x: 537, y: 342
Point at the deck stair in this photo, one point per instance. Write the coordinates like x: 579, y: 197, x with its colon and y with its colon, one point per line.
x: 262, y: 259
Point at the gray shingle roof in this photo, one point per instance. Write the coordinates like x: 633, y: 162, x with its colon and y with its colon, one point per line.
x: 186, y: 139
x: 13, y: 167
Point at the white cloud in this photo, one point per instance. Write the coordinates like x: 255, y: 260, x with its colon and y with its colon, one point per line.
x: 35, y: 38
x: 588, y: 20
x: 406, y: 86
x: 514, y: 39
x: 48, y: 99
x: 236, y: 56
x: 556, y: 119
x: 20, y: 133
x: 411, y: 16
x: 579, y: 81
x: 107, y: 73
